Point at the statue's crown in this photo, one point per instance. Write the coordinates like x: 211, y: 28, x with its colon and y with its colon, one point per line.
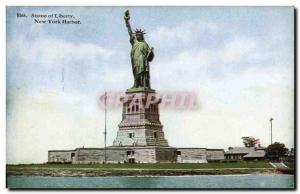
x: 139, y: 31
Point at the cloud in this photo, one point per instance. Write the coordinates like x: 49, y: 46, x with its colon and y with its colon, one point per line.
x: 39, y: 110
x: 181, y: 34
x: 44, y: 62
x: 237, y: 49
x: 239, y: 88
x: 236, y: 105
x: 184, y: 36
x: 51, y: 120
x: 206, y: 63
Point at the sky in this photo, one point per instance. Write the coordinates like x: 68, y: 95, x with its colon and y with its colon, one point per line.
x: 238, y: 60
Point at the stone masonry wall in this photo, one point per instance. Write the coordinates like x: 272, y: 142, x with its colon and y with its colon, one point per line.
x: 138, y: 154
x: 191, y: 155
x: 123, y: 139
x: 166, y: 155
x: 215, y: 155
x: 89, y: 155
x: 144, y: 155
x: 60, y: 156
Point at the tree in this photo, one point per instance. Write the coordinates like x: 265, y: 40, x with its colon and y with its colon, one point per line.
x: 276, y: 151
x: 250, y: 141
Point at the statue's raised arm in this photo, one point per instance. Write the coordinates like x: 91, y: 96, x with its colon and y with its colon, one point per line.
x: 127, y: 18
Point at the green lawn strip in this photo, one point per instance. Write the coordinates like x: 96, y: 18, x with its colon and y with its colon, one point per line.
x: 149, y: 166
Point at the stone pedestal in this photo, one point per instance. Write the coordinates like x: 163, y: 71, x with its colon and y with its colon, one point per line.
x: 140, y: 125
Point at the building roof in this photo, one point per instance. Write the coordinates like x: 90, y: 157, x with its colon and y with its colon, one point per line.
x: 251, y: 152
x: 256, y: 154
x: 61, y: 150
x: 215, y: 149
x: 260, y: 148
x: 240, y: 150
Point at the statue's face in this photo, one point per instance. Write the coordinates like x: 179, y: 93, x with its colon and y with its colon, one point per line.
x: 139, y: 37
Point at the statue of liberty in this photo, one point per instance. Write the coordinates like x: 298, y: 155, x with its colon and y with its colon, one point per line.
x: 141, y: 55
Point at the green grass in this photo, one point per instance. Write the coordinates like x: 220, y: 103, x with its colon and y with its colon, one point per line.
x: 259, y: 164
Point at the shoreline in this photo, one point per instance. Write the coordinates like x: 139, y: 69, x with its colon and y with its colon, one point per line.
x: 94, y: 172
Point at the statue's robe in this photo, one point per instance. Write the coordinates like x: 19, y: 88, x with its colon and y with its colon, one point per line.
x: 140, y: 55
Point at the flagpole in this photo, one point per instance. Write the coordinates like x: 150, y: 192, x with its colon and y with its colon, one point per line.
x: 105, y: 98
x: 271, y: 119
